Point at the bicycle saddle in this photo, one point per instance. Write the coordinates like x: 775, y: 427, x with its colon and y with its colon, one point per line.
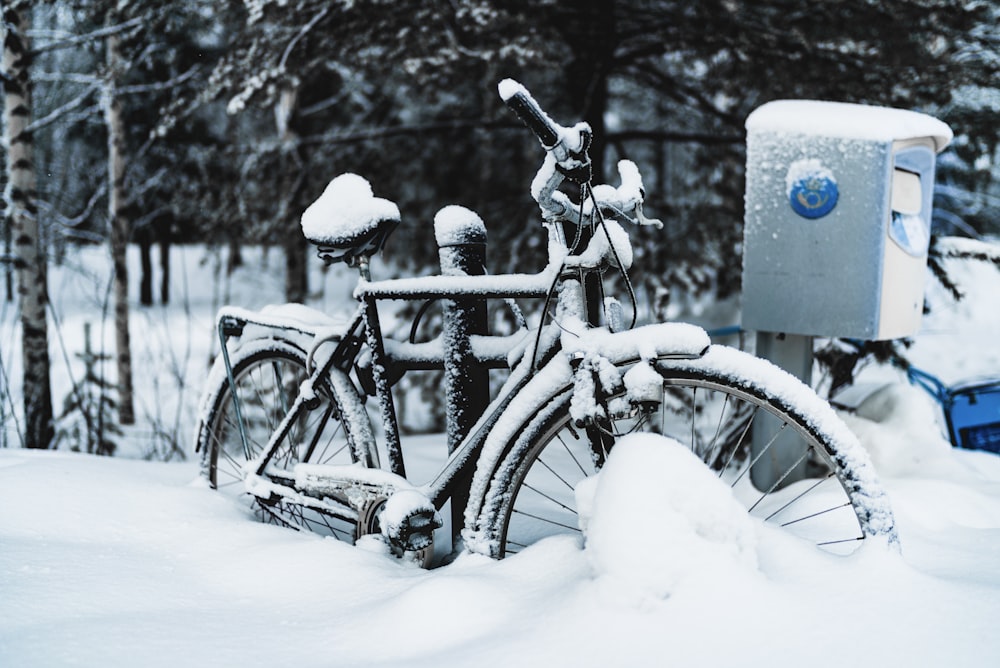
x: 348, y: 221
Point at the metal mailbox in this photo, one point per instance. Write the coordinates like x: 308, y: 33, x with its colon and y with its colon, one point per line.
x: 838, y: 213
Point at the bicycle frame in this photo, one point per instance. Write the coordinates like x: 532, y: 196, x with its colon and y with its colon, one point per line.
x: 572, y: 279
x: 575, y: 385
x: 391, y: 357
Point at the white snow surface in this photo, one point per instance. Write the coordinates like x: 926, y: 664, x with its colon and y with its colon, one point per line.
x: 700, y: 531
x: 803, y: 170
x: 456, y: 224
x: 346, y: 209
x: 847, y: 121
x: 124, y: 562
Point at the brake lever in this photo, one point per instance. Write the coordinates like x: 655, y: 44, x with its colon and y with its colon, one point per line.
x: 642, y: 220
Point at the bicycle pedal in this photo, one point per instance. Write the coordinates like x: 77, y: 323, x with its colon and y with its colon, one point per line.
x: 408, y: 520
x: 271, y: 500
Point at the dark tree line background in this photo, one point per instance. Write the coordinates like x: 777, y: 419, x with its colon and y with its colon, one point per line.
x: 237, y: 113
x: 240, y: 112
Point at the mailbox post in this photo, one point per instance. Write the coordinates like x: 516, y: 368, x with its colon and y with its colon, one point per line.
x: 837, y: 228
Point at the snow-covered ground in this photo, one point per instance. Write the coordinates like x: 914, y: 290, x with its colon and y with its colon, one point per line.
x: 125, y: 562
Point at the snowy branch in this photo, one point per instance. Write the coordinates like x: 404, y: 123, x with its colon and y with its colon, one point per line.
x: 968, y: 249
x: 72, y: 223
x: 60, y: 112
x: 69, y: 77
x: 160, y: 85
x: 101, y: 33
x: 302, y: 33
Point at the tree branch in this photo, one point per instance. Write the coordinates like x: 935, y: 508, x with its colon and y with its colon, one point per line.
x: 56, y: 114
x: 160, y: 85
x: 302, y: 33
x: 101, y: 33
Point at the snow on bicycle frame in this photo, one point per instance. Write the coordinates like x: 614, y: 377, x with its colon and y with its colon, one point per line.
x: 607, y: 371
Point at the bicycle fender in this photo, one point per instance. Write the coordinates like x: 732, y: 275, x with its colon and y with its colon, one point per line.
x: 671, y: 340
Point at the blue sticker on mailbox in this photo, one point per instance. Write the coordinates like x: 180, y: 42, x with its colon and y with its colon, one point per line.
x: 812, y: 188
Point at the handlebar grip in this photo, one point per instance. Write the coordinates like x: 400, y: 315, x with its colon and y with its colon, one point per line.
x: 521, y: 103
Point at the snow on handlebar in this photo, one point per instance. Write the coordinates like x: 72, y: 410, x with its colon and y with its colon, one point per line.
x: 623, y: 202
x: 566, y: 150
x: 528, y: 110
x: 562, y: 142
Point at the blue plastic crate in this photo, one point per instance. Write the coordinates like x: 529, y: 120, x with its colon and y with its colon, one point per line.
x: 972, y: 410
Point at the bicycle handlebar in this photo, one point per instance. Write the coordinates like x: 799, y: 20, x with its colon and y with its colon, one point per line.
x: 528, y: 110
x: 568, y: 147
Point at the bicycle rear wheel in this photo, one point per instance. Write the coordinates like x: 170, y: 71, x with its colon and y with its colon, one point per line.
x: 712, y: 405
x: 268, y: 374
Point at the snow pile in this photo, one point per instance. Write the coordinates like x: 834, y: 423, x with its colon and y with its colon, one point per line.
x: 898, y: 426
x: 347, y: 209
x: 802, y: 171
x: 849, y: 121
x: 958, y: 339
x: 118, y: 562
x: 455, y: 225
x: 656, y: 516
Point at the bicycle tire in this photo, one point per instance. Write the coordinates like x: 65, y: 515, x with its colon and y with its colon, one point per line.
x: 268, y: 373
x: 523, y: 476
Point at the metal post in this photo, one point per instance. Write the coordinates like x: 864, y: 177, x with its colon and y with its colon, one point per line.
x: 461, y: 239
x: 779, y: 455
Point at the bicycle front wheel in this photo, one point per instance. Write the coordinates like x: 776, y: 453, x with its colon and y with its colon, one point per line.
x: 718, y: 406
x: 268, y: 374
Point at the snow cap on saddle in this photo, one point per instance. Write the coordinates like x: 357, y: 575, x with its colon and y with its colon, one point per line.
x: 348, y: 221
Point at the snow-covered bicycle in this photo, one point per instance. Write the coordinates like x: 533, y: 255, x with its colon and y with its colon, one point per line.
x: 285, y: 425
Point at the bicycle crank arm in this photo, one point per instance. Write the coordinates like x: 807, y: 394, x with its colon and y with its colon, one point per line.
x: 386, y: 503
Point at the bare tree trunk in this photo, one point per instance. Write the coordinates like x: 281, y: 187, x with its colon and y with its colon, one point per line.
x: 296, y: 248
x: 591, y: 35
x: 119, y: 232
x: 296, y: 258
x: 8, y: 265
x: 145, y: 238
x: 163, y: 239
x: 30, y: 260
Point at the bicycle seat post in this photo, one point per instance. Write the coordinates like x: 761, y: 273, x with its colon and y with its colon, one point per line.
x: 364, y: 267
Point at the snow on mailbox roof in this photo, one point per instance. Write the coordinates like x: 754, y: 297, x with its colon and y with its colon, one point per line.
x: 848, y: 121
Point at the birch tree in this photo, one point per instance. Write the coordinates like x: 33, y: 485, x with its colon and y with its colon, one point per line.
x: 120, y: 229
x: 22, y: 210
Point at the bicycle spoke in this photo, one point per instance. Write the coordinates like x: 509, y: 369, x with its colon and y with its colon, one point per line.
x: 781, y: 479
x: 550, y: 498
x: 266, y: 386
x: 573, y: 457
x: 546, y: 520
x: 236, y: 464
x: 817, y: 514
x: 841, y: 541
x: 256, y: 446
x: 694, y: 403
x: 553, y: 471
x: 255, y: 388
x: 739, y: 443
x: 799, y: 496
x: 324, y: 455
x: 717, y: 416
x: 761, y: 453
x: 718, y: 431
